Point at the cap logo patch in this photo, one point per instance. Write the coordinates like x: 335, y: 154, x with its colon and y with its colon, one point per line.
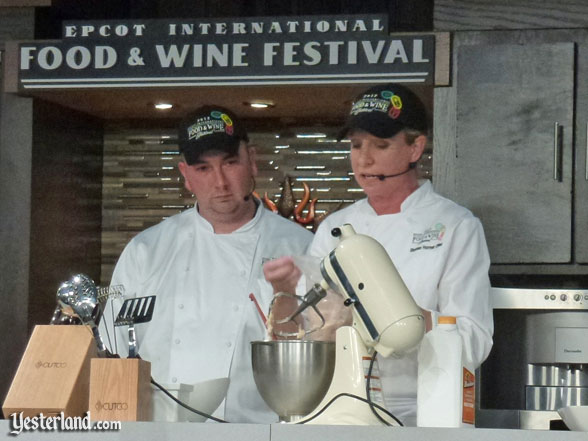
x: 385, y: 102
x: 395, y: 101
x: 217, y: 122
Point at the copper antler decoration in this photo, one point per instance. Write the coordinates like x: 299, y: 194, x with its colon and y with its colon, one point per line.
x: 286, y: 207
x: 302, y: 205
x: 269, y: 203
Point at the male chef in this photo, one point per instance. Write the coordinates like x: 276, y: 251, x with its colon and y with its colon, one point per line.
x: 203, y: 263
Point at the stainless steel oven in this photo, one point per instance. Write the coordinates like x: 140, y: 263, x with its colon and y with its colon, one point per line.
x: 539, y: 361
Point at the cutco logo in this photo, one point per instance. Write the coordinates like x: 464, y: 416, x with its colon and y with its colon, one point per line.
x: 111, y: 406
x: 50, y: 364
x: 429, y: 239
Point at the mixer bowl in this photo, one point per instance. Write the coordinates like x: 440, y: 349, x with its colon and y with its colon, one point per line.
x: 292, y: 376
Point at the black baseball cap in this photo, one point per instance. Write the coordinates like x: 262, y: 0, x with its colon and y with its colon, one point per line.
x: 210, y: 128
x: 385, y: 110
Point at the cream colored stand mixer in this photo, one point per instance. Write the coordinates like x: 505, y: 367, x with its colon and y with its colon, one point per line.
x: 386, y: 319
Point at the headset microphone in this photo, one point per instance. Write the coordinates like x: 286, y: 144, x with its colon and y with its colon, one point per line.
x: 410, y: 167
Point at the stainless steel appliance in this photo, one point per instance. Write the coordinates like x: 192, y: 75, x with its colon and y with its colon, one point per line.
x: 539, y: 361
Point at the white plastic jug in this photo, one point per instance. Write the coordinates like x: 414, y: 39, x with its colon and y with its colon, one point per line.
x: 445, y: 392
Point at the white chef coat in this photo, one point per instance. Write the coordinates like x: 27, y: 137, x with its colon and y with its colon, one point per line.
x: 440, y: 251
x: 204, y: 320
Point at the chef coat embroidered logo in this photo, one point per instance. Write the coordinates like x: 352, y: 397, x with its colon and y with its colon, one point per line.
x: 430, y: 239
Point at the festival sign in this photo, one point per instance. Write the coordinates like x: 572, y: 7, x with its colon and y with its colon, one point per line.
x: 241, y: 51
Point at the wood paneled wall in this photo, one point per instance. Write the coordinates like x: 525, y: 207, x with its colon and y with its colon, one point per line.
x: 462, y: 15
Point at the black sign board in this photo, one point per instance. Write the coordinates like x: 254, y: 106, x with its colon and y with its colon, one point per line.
x: 251, y: 51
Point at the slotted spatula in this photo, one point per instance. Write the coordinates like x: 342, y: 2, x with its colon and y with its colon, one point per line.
x: 133, y: 311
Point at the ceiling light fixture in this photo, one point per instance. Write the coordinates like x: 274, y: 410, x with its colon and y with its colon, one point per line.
x: 322, y: 152
x: 311, y: 135
x: 260, y: 104
x: 163, y: 106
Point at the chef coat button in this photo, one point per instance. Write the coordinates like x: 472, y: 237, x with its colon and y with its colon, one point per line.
x: 174, y: 380
x: 177, y: 341
x: 181, y: 306
x: 236, y: 308
x: 187, y: 268
x: 229, y: 344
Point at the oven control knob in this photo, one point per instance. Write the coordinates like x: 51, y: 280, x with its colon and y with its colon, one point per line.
x: 563, y: 297
x: 552, y: 296
x: 577, y: 297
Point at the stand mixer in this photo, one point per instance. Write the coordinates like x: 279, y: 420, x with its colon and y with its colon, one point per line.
x: 386, y: 319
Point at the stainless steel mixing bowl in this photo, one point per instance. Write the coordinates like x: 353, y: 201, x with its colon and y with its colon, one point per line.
x: 292, y: 376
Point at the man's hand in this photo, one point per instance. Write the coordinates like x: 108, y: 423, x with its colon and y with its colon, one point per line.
x: 283, y: 274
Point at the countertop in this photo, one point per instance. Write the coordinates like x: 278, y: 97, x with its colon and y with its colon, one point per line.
x: 146, y: 431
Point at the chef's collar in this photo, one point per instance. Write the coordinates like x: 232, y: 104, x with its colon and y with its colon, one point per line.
x: 418, y: 195
x: 202, y: 222
x: 413, y: 199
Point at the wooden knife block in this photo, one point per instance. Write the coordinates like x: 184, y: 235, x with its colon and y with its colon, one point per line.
x: 54, y: 373
x: 120, y: 389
